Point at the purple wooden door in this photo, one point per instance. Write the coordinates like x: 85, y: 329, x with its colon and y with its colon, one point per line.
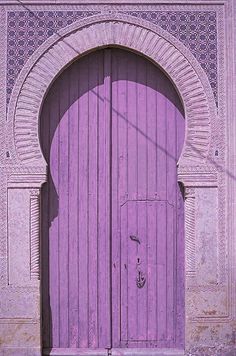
x: 112, y: 130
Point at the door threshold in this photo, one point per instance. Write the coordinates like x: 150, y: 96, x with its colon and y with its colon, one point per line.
x: 113, y: 352
x: 75, y: 352
x: 147, y: 352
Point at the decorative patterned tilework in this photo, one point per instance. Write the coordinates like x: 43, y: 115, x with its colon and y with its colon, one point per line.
x: 27, y: 30
x: 196, y: 30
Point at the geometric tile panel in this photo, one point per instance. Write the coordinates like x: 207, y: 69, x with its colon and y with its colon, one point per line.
x: 27, y: 30
x: 197, y: 30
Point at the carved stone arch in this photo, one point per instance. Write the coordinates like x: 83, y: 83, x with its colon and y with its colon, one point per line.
x: 112, y: 30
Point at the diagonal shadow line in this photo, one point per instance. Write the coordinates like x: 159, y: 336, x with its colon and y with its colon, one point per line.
x: 55, y: 32
x: 134, y: 126
x: 198, y: 152
x: 194, y: 149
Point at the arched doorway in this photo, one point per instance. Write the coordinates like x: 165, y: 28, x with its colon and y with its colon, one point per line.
x: 112, y: 130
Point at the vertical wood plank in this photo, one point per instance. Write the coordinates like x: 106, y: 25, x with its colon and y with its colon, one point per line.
x: 142, y: 144
x: 161, y: 138
x: 141, y: 128
x: 54, y: 272
x: 132, y: 185
x: 171, y: 179
x: 46, y: 313
x: 151, y: 271
x: 83, y: 205
x: 151, y: 108
x: 92, y: 203
x: 142, y: 267
x: 132, y: 322
x: 116, y: 117
x: 63, y: 193
x: 132, y: 119
x: 152, y: 189
x: 170, y: 271
x: 161, y: 270
x: 120, y: 109
x: 73, y: 205
x: 103, y: 220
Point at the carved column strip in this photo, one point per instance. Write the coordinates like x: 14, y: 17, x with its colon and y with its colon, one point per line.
x: 190, y: 231
x: 34, y: 234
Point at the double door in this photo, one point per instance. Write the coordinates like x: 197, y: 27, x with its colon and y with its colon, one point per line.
x: 112, y: 130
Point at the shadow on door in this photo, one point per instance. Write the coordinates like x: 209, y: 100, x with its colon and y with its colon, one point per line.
x: 71, y: 126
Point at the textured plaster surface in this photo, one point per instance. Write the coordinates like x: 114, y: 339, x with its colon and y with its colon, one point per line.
x: 207, y: 168
x: 18, y: 237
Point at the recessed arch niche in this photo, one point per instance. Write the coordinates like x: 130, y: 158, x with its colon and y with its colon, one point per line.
x: 112, y: 131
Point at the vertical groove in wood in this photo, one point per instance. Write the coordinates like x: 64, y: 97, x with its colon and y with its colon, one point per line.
x: 156, y: 279
x: 44, y: 132
x: 147, y: 208
x: 97, y: 196
x: 78, y: 212
x: 176, y: 227
x: 83, y: 207
x: 116, y: 263
x: 58, y: 222
x: 73, y: 206
x: 108, y: 165
x: 53, y: 160
x: 64, y: 193
x: 173, y: 272
x: 68, y: 218
x: 88, y: 202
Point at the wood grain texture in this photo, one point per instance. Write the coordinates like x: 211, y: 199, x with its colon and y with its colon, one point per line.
x: 112, y: 130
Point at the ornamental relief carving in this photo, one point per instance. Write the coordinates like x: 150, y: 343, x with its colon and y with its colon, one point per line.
x: 182, y: 68
x: 34, y: 234
x: 197, y: 30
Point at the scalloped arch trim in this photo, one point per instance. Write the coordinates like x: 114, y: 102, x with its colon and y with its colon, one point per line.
x: 131, y: 36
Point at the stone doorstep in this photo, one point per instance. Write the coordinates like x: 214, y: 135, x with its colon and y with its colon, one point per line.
x: 114, y: 352
x: 20, y: 351
x: 143, y: 352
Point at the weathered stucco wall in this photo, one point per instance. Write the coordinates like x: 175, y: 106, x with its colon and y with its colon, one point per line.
x: 198, y: 38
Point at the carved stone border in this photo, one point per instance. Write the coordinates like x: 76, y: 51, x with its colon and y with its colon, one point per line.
x: 124, y: 31
x: 190, y: 249
x: 34, y: 234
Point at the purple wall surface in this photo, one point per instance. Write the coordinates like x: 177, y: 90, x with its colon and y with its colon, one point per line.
x: 101, y: 258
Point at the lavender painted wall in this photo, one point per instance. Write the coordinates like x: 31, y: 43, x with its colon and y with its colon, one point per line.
x: 198, y: 33
x: 112, y: 130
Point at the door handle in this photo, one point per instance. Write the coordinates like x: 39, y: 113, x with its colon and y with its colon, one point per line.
x: 140, y: 279
x: 134, y: 238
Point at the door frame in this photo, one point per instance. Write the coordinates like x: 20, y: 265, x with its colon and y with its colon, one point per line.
x: 197, y: 170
